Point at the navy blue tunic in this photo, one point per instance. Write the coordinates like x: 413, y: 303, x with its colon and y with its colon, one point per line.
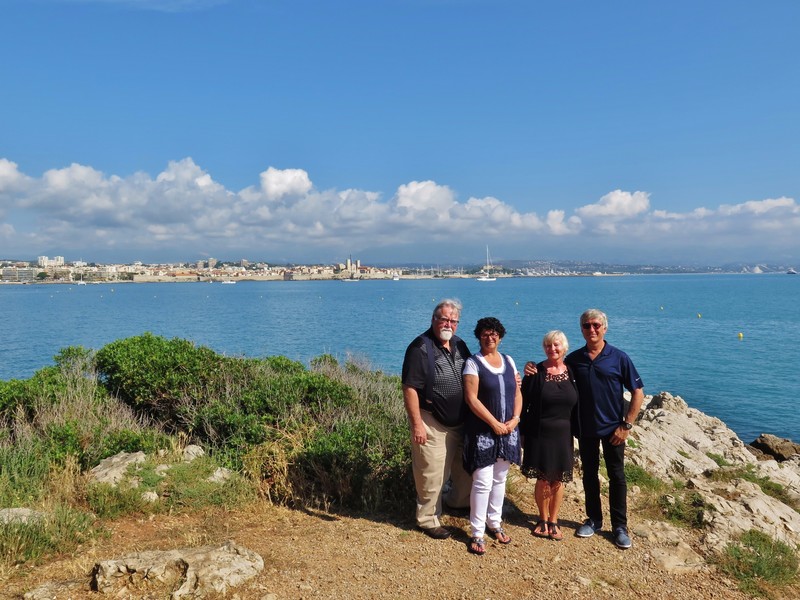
x: 483, y: 447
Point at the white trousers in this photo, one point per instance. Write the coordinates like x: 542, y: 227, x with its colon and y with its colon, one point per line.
x: 486, y: 498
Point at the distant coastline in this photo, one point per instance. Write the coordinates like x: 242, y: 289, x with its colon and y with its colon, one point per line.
x: 50, y: 271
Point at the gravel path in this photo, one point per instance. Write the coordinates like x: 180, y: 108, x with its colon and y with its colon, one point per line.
x: 310, y: 554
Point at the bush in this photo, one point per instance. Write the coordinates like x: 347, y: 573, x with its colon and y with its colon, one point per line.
x: 156, y: 376
x: 759, y: 563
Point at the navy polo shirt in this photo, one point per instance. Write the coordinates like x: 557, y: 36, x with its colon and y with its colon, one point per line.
x: 601, y: 383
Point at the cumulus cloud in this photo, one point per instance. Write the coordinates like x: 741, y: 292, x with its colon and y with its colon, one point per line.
x: 182, y: 213
x: 277, y: 184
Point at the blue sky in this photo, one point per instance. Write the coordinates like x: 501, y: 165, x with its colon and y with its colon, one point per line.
x: 400, y: 130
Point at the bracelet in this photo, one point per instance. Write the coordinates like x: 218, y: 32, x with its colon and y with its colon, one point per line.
x: 515, y: 417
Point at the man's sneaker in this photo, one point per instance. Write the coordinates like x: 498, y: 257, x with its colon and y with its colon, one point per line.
x: 588, y: 528
x: 621, y: 538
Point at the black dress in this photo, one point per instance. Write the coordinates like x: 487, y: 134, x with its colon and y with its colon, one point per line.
x: 549, y: 402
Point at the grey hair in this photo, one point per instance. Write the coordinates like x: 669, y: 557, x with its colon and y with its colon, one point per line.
x: 556, y: 336
x: 451, y: 302
x: 594, y: 313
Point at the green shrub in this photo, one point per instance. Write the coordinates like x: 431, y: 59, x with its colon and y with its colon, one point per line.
x: 759, y: 563
x: 157, y: 376
x: 63, y: 439
x: 148, y: 441
x: 282, y: 364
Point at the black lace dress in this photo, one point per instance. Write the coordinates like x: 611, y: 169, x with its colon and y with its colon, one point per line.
x: 548, y: 448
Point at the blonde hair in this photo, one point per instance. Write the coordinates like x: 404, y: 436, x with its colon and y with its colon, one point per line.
x: 556, y: 336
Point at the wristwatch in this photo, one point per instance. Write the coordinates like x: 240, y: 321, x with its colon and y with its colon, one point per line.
x: 626, y: 425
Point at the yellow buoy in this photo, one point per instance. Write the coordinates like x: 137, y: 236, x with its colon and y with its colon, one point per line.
x: 699, y: 316
x: 741, y: 335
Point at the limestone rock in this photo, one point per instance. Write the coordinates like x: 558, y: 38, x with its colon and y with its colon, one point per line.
x: 190, y: 572
x: 19, y: 515
x: 221, y: 475
x: 671, y: 440
x: 113, y: 469
x: 191, y: 452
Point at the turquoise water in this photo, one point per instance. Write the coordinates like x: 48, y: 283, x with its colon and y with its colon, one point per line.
x: 680, y: 330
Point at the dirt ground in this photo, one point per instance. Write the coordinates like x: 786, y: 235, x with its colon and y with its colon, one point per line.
x: 310, y: 554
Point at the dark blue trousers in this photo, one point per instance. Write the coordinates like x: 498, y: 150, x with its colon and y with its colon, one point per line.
x: 589, y: 449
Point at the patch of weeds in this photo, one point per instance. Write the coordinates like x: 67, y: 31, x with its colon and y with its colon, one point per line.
x: 187, y: 486
x: 719, y: 459
x: 684, y: 509
x: 684, y: 454
x: 24, y: 470
x: 636, y: 475
x: 109, y: 502
x: 759, y: 563
x: 61, y: 530
x: 769, y: 487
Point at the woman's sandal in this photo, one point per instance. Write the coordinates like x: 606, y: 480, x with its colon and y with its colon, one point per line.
x: 500, y: 535
x: 541, y: 530
x: 554, y: 532
x: 477, y: 546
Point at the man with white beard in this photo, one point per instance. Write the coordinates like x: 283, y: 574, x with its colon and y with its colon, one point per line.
x: 434, y: 399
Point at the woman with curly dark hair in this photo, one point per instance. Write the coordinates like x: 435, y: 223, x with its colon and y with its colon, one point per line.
x: 491, y: 436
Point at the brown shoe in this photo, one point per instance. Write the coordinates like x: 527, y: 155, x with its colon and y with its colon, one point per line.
x: 437, y: 533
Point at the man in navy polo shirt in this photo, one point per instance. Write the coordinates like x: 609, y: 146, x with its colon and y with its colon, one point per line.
x: 603, y: 373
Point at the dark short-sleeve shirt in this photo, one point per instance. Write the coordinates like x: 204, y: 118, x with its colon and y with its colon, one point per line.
x: 601, y: 383
x: 446, y: 401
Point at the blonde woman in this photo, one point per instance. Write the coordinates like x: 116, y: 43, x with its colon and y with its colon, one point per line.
x: 550, y: 398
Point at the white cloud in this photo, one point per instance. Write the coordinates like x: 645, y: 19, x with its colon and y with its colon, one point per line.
x: 182, y: 213
x: 616, y: 205
x: 278, y: 184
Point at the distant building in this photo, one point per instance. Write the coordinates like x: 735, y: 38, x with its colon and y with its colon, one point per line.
x: 19, y: 274
x: 45, y: 262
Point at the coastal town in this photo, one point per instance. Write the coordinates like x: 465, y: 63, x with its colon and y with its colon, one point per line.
x: 58, y: 270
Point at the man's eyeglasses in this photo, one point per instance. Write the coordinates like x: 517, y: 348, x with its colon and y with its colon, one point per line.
x: 588, y: 326
x: 446, y: 320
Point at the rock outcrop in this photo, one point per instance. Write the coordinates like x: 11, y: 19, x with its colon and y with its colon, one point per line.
x: 675, y: 442
x: 180, y: 573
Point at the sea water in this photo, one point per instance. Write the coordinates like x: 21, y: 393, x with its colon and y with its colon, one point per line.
x: 727, y: 344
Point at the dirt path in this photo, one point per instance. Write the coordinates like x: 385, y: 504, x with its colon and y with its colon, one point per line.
x: 324, y: 555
